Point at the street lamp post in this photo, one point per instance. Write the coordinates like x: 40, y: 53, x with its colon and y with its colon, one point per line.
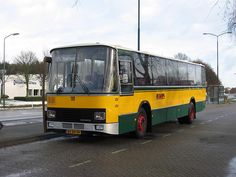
x: 4, y: 66
x: 217, y: 57
x: 138, y: 25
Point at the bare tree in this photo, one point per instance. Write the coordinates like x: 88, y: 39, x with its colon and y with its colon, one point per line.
x: 25, y: 62
x: 230, y: 14
x: 38, y: 68
x: 228, y: 8
x: 182, y: 56
x: 211, y: 76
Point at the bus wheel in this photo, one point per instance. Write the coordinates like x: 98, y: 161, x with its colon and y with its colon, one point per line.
x: 182, y: 120
x: 191, y: 113
x: 141, y: 125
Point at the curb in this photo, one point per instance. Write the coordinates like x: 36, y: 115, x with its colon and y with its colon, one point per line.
x: 29, y: 139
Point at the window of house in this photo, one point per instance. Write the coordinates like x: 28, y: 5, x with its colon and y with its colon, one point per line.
x: 36, y: 92
x: 30, y: 92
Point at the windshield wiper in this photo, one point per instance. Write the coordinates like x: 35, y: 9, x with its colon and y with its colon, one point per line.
x: 84, y: 87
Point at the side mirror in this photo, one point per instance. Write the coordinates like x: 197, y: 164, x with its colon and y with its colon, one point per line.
x: 47, y: 59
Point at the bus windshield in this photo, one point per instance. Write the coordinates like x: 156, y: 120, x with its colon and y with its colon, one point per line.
x: 90, y: 69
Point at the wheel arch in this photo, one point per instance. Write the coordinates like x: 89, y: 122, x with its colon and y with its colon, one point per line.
x: 192, y: 100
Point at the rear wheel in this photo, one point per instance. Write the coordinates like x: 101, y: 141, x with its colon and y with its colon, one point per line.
x: 191, y: 114
x: 182, y: 120
x: 141, y: 125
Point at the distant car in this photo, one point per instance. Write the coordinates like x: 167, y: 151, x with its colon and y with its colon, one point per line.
x: 1, y: 125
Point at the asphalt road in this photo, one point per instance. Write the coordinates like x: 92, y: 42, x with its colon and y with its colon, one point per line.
x: 20, y: 117
x: 205, y: 148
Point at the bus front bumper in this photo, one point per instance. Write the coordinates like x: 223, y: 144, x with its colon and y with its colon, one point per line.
x: 109, y: 128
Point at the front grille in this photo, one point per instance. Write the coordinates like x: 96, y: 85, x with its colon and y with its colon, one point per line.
x: 76, y: 115
x: 79, y: 126
x: 67, y: 125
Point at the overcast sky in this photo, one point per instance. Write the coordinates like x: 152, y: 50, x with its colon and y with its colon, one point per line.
x: 167, y: 28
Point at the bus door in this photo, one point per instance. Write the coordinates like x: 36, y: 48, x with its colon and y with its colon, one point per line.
x: 126, y: 77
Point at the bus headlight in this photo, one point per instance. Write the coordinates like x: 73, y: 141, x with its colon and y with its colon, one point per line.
x: 99, y: 116
x: 51, y: 114
x: 51, y: 124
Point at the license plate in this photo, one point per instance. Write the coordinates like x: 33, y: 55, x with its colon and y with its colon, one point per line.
x: 73, y: 132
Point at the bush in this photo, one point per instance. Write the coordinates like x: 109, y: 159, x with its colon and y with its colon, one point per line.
x: 5, y: 96
x: 35, y: 98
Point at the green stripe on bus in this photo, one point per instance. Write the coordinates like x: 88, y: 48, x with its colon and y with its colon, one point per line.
x: 127, y: 123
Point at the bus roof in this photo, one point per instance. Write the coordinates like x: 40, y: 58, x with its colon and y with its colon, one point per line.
x: 124, y: 48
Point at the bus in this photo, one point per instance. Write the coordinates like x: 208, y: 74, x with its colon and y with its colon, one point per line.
x: 98, y: 88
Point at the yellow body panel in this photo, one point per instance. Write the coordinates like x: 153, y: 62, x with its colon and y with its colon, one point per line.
x: 122, y: 105
x: 173, y: 97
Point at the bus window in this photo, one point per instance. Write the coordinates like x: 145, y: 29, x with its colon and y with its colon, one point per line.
x: 172, y: 72
x: 203, y: 76
x: 183, y: 75
x: 83, y: 70
x: 191, y: 74
x: 142, y: 73
x: 125, y: 74
x: 158, y: 71
x: 198, y: 76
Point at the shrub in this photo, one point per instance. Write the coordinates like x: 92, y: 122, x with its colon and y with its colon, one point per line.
x: 5, y: 96
x: 35, y: 98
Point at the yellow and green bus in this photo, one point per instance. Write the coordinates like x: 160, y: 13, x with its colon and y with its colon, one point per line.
x: 108, y: 89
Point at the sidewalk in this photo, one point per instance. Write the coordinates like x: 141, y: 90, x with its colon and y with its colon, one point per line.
x: 16, y: 104
x: 25, y: 133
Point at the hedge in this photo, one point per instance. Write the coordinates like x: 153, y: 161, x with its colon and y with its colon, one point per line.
x: 35, y: 98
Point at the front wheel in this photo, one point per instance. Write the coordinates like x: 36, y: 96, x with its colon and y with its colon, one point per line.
x: 141, y: 125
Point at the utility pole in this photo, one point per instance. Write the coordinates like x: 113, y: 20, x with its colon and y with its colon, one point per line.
x: 138, y: 25
x: 217, y: 58
x: 4, y: 67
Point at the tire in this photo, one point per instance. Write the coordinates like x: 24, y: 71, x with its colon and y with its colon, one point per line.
x: 191, y: 114
x: 141, y: 123
x: 1, y: 125
x: 182, y: 120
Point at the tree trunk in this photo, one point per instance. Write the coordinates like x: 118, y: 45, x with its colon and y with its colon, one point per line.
x: 27, y: 88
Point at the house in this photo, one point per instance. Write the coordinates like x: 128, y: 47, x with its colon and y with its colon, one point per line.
x: 15, y: 86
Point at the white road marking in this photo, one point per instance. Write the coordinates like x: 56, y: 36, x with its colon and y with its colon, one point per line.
x: 118, y: 151
x: 209, y: 121
x: 164, y: 136
x: 13, y: 123
x: 81, y: 163
x: 145, y: 142
x: 25, y: 173
x: 232, y: 168
x: 202, y: 123
x: 192, y: 126
x: 217, y: 118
